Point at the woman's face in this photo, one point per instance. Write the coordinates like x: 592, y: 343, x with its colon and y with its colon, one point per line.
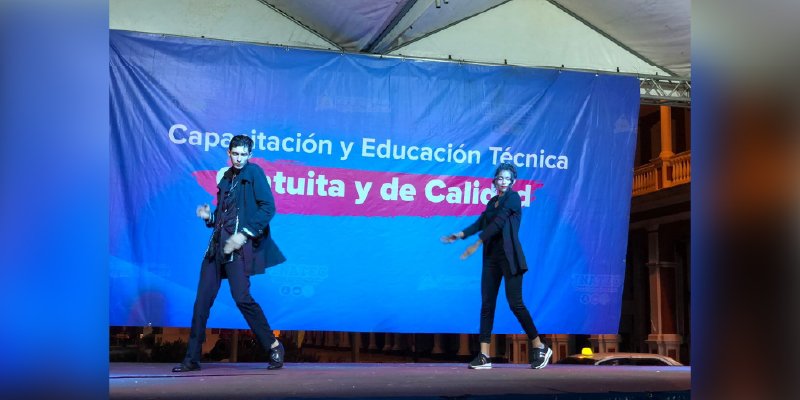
x: 502, y: 181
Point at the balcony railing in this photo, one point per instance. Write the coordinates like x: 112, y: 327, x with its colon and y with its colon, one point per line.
x: 645, y: 179
x: 662, y: 174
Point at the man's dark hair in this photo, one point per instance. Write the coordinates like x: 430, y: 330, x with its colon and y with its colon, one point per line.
x: 241, y: 140
x: 506, y: 167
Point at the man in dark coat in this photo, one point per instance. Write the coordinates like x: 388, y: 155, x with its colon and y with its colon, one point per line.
x: 240, y: 246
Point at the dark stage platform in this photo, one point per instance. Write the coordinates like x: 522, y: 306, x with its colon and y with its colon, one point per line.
x: 432, y: 381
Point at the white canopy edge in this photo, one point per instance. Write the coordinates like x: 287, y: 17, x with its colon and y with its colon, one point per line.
x: 236, y: 20
x: 529, y: 33
x: 525, y: 33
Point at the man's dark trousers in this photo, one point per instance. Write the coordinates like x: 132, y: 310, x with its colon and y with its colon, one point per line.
x: 210, y: 280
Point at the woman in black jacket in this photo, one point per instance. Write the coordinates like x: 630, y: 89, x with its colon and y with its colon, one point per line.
x: 502, y: 258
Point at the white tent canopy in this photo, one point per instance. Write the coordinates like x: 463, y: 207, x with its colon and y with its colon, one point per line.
x: 628, y: 36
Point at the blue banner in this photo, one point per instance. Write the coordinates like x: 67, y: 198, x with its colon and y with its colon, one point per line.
x: 371, y: 160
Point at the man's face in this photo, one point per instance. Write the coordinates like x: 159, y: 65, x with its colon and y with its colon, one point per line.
x: 239, y: 156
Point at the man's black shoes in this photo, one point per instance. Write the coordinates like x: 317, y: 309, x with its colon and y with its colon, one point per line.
x: 186, y: 367
x: 276, y: 356
x: 275, y: 361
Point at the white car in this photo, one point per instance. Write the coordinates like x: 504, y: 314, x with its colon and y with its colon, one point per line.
x: 641, y: 359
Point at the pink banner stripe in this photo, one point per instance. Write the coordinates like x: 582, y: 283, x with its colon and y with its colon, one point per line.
x: 304, y: 190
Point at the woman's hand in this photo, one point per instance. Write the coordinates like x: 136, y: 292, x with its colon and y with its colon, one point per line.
x: 471, y: 249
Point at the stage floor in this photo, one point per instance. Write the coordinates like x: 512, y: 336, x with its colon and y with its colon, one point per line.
x: 341, y: 380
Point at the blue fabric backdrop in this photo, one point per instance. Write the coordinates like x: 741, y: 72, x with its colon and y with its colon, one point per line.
x: 371, y: 161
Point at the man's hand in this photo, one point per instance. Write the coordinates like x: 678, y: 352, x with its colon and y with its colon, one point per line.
x: 471, y: 249
x: 451, y: 237
x: 204, y: 211
x: 234, y: 242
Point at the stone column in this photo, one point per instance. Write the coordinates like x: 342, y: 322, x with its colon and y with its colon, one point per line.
x: 319, y: 338
x: 666, y: 133
x: 517, y: 348
x: 437, y: 344
x: 344, y: 339
x: 666, y: 147
x: 330, y: 339
x: 398, y: 342
x: 666, y: 344
x: 387, y: 342
x: 372, y: 346
x: 663, y: 338
x: 560, y: 346
x: 356, y: 348
x: 234, y: 356
x: 463, y: 345
x: 608, y: 343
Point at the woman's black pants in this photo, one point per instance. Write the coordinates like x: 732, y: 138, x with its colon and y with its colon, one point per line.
x: 495, y: 269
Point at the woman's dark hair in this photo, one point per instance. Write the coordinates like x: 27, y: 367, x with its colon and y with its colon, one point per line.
x: 241, y: 140
x: 506, y: 167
